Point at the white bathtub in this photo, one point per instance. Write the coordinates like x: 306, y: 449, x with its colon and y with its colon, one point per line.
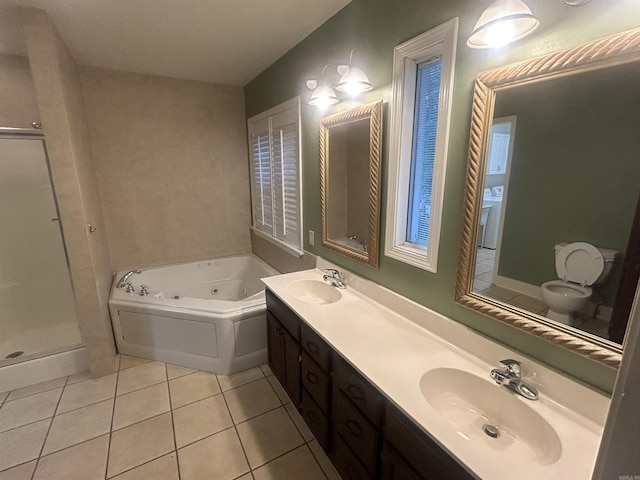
x: 208, y: 315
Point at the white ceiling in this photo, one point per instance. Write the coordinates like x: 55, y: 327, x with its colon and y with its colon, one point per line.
x: 221, y: 41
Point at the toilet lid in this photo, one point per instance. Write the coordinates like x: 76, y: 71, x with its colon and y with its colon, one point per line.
x: 579, y: 262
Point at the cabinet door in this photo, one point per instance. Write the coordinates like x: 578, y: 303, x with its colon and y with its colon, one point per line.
x: 291, y: 366
x: 275, y: 347
x: 284, y: 358
x: 394, y: 468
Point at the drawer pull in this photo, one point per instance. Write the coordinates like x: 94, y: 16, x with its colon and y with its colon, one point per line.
x: 313, y: 348
x: 355, y: 392
x: 354, y: 427
x: 312, y: 377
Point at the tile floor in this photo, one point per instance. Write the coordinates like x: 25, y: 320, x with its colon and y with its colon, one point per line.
x: 157, y: 421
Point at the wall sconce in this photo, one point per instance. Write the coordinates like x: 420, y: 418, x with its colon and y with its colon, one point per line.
x: 353, y: 81
x: 504, y: 21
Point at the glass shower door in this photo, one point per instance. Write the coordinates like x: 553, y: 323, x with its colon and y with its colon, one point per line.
x: 37, y: 308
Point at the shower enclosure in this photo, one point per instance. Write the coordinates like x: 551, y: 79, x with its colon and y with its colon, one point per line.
x: 37, y: 307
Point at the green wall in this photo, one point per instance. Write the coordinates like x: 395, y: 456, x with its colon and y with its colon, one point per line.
x: 575, y: 174
x: 373, y: 28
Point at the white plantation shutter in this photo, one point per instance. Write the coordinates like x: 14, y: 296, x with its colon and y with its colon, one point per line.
x: 275, y: 173
x: 261, y: 173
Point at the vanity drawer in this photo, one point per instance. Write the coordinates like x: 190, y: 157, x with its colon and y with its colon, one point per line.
x: 315, y: 420
x: 359, y: 391
x: 285, y: 316
x: 347, y: 464
x: 316, y: 382
x: 357, y: 432
x: 315, y: 347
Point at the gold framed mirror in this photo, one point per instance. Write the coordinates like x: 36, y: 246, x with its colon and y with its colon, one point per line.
x: 568, y: 115
x: 350, y: 182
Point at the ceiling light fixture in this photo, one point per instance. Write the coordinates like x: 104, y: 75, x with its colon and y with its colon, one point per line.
x: 504, y: 21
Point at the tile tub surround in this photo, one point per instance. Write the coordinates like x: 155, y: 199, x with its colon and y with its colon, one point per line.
x: 157, y: 421
x: 413, y: 340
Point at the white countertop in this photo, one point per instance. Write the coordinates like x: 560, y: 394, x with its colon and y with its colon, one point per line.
x: 393, y: 341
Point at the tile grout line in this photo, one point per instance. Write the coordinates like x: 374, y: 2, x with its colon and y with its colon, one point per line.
x: 113, y: 414
x: 233, y: 422
x: 173, y: 424
x: 46, y: 437
x: 6, y: 400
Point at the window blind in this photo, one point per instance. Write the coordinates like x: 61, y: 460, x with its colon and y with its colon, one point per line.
x: 423, y: 150
x: 276, y: 177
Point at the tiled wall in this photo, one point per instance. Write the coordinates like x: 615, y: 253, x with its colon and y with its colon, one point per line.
x: 60, y: 102
x: 171, y: 162
x: 18, y: 105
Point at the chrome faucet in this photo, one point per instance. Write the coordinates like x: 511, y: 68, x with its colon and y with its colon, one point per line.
x: 335, y: 278
x: 122, y: 283
x: 364, y: 244
x: 509, y: 375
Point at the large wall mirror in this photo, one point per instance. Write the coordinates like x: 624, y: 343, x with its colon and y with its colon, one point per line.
x: 552, y: 190
x: 350, y: 182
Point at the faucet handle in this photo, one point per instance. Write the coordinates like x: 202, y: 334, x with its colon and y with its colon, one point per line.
x: 130, y: 288
x: 144, y: 290
x: 334, y: 273
x: 511, y: 366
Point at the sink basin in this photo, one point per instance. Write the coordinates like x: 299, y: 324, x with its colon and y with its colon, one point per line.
x: 314, y: 291
x: 479, y: 410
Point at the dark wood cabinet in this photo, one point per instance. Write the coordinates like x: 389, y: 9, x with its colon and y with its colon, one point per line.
x: 283, y: 337
x: 365, y: 436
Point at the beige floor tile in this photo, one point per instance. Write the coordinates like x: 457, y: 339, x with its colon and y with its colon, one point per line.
x: 246, y: 476
x: 163, y: 468
x: 139, y: 443
x: 86, y: 461
x: 141, y: 376
x: 79, y: 377
x: 325, y: 464
x: 268, y: 436
x: 127, y: 362
x: 293, y: 466
x: 78, y: 426
x: 37, y: 388
x: 266, y: 370
x: 191, y: 388
x: 21, y: 472
x: 499, y: 293
x: 219, y: 456
x: 174, y: 371
x: 3, y: 397
x: 22, y: 444
x: 528, y: 303
x: 28, y: 409
x: 227, y: 382
x: 141, y: 404
x: 300, y: 423
x: 201, y: 419
x: 87, y: 392
x: 251, y: 399
x: 275, y: 384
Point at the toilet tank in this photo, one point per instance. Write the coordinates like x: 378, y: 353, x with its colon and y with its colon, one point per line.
x: 608, y: 255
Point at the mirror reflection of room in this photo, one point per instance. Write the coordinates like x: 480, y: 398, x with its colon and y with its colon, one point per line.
x: 348, y: 196
x: 560, y: 192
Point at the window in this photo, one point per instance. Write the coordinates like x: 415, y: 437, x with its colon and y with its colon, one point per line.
x: 422, y: 84
x: 274, y: 143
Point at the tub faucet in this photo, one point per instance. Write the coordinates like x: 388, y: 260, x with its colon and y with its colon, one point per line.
x: 509, y: 375
x: 122, y: 283
x: 335, y: 278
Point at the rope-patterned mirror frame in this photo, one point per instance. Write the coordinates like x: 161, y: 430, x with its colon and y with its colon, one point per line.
x: 373, y: 113
x: 613, y: 50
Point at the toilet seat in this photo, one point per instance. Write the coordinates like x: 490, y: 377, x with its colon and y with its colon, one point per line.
x: 580, y: 263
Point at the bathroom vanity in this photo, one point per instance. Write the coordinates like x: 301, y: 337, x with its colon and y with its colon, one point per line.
x: 393, y: 390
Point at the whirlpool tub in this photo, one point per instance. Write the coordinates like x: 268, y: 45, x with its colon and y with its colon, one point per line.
x: 208, y: 315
